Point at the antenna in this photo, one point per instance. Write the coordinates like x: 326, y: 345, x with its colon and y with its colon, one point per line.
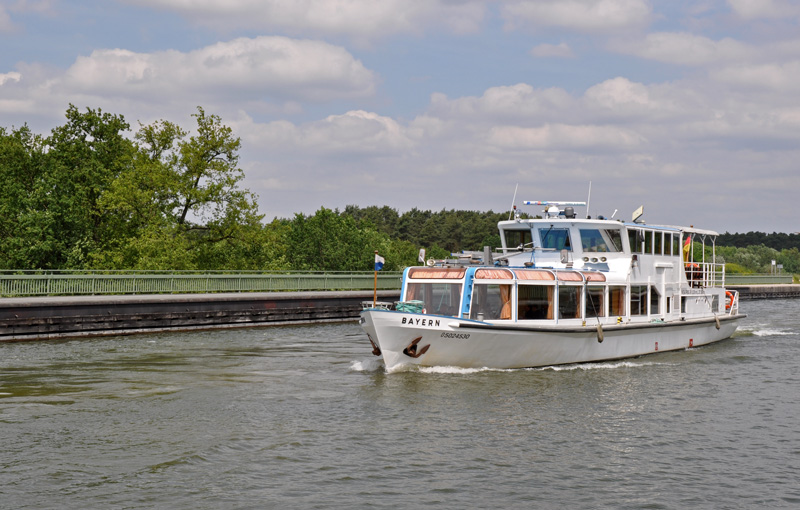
x: 615, y: 213
x: 637, y: 214
x: 589, y: 200
x: 513, y: 202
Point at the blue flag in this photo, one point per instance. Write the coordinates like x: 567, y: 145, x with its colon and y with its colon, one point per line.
x: 378, y: 262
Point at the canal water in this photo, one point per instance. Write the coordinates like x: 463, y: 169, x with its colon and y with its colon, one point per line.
x: 305, y: 417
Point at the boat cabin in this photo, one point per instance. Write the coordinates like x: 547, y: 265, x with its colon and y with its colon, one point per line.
x: 564, y: 269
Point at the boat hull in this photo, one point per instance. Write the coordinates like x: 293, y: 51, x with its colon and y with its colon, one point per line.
x: 473, y: 344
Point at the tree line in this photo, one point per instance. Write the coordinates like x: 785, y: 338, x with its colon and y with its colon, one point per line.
x: 95, y: 196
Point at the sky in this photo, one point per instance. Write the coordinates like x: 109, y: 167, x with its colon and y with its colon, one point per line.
x: 689, y: 108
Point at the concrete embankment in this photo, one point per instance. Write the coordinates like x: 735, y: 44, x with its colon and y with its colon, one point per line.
x: 767, y: 291
x: 40, y: 318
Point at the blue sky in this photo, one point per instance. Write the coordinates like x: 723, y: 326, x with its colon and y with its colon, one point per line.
x: 691, y: 108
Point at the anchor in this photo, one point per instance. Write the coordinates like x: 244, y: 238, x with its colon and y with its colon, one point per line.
x: 375, y: 349
x: 411, y: 350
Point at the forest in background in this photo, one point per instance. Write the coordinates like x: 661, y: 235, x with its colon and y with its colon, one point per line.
x: 91, y: 196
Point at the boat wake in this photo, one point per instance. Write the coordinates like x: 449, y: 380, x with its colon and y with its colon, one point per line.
x: 367, y: 365
x: 763, y: 331
x: 597, y: 366
x: 468, y: 371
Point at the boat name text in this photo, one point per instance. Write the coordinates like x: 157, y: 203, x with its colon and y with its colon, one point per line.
x: 412, y: 321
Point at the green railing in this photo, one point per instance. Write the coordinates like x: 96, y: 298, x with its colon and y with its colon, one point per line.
x: 757, y: 279
x: 67, y: 283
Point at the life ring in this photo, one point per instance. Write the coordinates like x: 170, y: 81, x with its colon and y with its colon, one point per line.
x: 728, y: 299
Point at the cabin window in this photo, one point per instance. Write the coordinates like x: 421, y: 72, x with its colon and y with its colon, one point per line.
x: 555, y: 238
x: 648, y: 242
x: 491, y: 302
x: 659, y: 243
x: 638, y: 299
x: 595, y: 301
x: 569, y: 302
x: 655, y: 302
x: 636, y: 240
x: 535, y: 302
x: 517, y: 238
x: 676, y: 245
x: 617, y: 294
x: 437, y: 298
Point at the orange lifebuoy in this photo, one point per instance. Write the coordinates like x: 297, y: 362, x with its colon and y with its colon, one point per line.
x: 729, y: 299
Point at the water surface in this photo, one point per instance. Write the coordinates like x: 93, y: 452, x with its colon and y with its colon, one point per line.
x: 305, y: 417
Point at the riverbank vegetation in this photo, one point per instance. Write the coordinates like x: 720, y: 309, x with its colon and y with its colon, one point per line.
x: 95, y: 195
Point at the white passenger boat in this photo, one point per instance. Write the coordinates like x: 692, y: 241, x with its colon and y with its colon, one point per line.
x: 560, y: 290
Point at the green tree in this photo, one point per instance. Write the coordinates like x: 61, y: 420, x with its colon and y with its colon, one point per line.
x: 24, y: 237
x: 180, y: 204
x: 81, y: 159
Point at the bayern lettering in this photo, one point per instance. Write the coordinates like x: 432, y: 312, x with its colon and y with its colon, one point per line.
x: 414, y: 321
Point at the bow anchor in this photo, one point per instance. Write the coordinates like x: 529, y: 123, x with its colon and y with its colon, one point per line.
x: 411, y: 350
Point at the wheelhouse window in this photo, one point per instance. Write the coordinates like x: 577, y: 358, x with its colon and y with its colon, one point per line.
x: 648, y: 241
x: 517, y: 238
x: 676, y: 244
x: 636, y: 240
x: 555, y: 239
x: 659, y: 243
x: 601, y: 240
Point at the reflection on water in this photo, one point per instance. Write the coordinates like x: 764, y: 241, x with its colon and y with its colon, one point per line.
x: 305, y: 417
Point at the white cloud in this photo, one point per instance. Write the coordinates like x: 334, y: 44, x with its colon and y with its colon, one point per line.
x: 247, y: 68
x: 9, y: 77
x: 764, y: 9
x: 6, y: 26
x: 354, y: 133
x: 578, y: 15
x: 518, y: 102
x: 767, y: 77
x: 565, y: 137
x: 358, y: 19
x: 561, y: 50
x: 249, y: 72
x: 687, y: 49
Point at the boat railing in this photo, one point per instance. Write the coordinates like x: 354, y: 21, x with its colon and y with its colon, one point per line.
x: 705, y: 274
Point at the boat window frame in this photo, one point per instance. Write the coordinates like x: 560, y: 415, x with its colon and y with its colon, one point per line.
x: 527, y: 240
x: 658, y: 242
x: 574, y: 288
x: 654, y: 300
x: 603, y: 301
x: 482, y: 285
x: 550, y: 300
x: 432, y: 293
x: 568, y: 244
x: 642, y: 300
x: 618, y: 294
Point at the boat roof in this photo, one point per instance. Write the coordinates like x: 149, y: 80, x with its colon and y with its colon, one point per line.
x: 597, y: 221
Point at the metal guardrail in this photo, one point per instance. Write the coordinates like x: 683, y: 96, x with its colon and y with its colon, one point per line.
x: 104, y: 283
x: 758, y: 279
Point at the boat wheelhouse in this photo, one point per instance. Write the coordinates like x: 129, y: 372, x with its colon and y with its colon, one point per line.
x: 560, y: 289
